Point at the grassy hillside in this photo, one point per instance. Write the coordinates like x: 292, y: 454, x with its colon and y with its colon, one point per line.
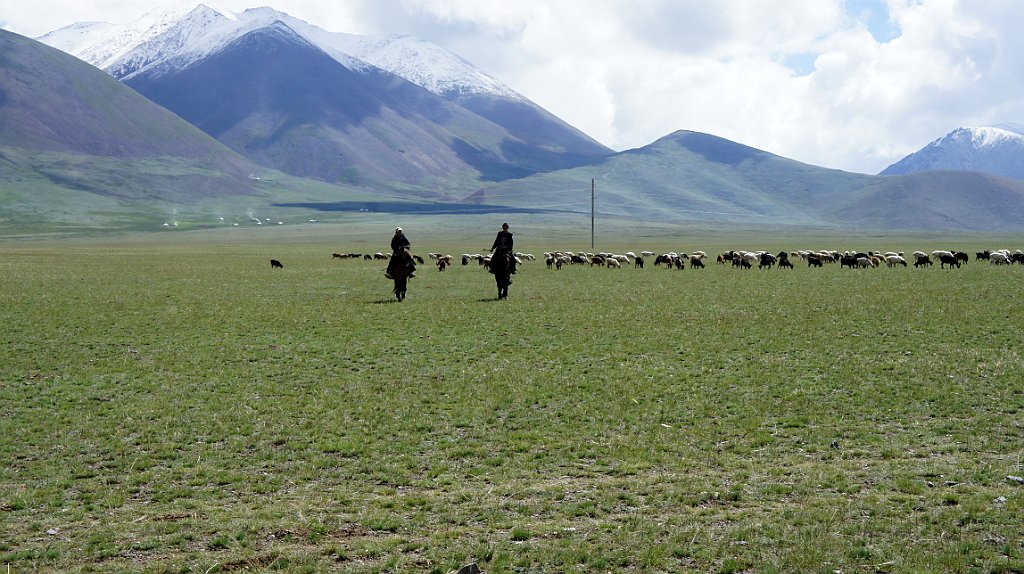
x: 179, y: 406
x: 690, y: 176
x: 698, y: 177
x: 960, y: 200
x: 54, y: 192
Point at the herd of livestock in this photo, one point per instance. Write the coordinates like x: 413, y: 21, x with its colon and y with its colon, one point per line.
x: 736, y: 258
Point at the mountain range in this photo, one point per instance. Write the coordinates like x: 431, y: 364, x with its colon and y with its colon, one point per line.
x: 334, y: 107
x: 264, y: 111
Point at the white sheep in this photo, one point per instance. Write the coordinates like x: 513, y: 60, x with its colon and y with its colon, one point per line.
x: 894, y: 260
x: 1000, y: 258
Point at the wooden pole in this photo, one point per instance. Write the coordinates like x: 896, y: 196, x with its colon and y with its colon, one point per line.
x: 593, y: 195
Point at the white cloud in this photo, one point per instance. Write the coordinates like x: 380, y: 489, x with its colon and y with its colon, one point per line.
x: 888, y: 75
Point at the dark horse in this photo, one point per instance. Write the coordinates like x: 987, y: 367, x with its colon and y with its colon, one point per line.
x: 400, y: 273
x: 501, y: 267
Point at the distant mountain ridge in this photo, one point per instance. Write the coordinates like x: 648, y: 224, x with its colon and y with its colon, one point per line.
x: 996, y: 150
x: 291, y: 100
x: 692, y: 176
x: 492, y: 132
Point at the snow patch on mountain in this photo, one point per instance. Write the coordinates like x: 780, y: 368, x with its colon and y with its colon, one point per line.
x: 426, y: 65
x: 77, y: 37
x: 178, y: 37
x: 979, y: 137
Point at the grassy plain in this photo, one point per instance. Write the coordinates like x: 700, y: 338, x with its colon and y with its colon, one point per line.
x: 169, y: 403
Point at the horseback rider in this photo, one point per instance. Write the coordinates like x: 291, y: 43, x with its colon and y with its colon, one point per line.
x: 503, y: 244
x: 400, y: 250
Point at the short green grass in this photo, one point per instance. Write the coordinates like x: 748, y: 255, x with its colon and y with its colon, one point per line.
x: 177, y: 406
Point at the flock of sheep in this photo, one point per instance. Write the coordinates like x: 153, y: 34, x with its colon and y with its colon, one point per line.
x: 749, y: 259
x: 736, y: 258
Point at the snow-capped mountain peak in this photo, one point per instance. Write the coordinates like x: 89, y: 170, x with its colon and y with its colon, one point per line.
x: 996, y: 149
x: 177, y: 37
x: 981, y: 137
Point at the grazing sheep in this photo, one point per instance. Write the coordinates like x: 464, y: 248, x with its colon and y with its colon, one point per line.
x: 275, y: 264
x: 741, y: 262
x: 921, y: 260
x: 950, y: 260
x: 1000, y: 258
x: 894, y: 260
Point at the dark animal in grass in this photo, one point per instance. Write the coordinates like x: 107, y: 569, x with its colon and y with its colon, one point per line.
x: 695, y: 262
x: 784, y: 263
x: 961, y: 256
x: 638, y: 263
x: 850, y: 262
x: 983, y: 255
x: 814, y: 261
x: 275, y: 264
x: 401, y: 272
x: 501, y: 266
x: 948, y: 260
x: 922, y: 260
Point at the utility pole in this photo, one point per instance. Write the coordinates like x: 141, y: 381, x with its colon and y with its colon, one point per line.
x: 593, y: 195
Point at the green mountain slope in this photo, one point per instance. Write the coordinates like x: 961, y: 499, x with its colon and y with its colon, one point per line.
x: 80, y: 150
x: 692, y: 176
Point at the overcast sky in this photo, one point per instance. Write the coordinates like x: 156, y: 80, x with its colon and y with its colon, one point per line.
x: 848, y: 84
